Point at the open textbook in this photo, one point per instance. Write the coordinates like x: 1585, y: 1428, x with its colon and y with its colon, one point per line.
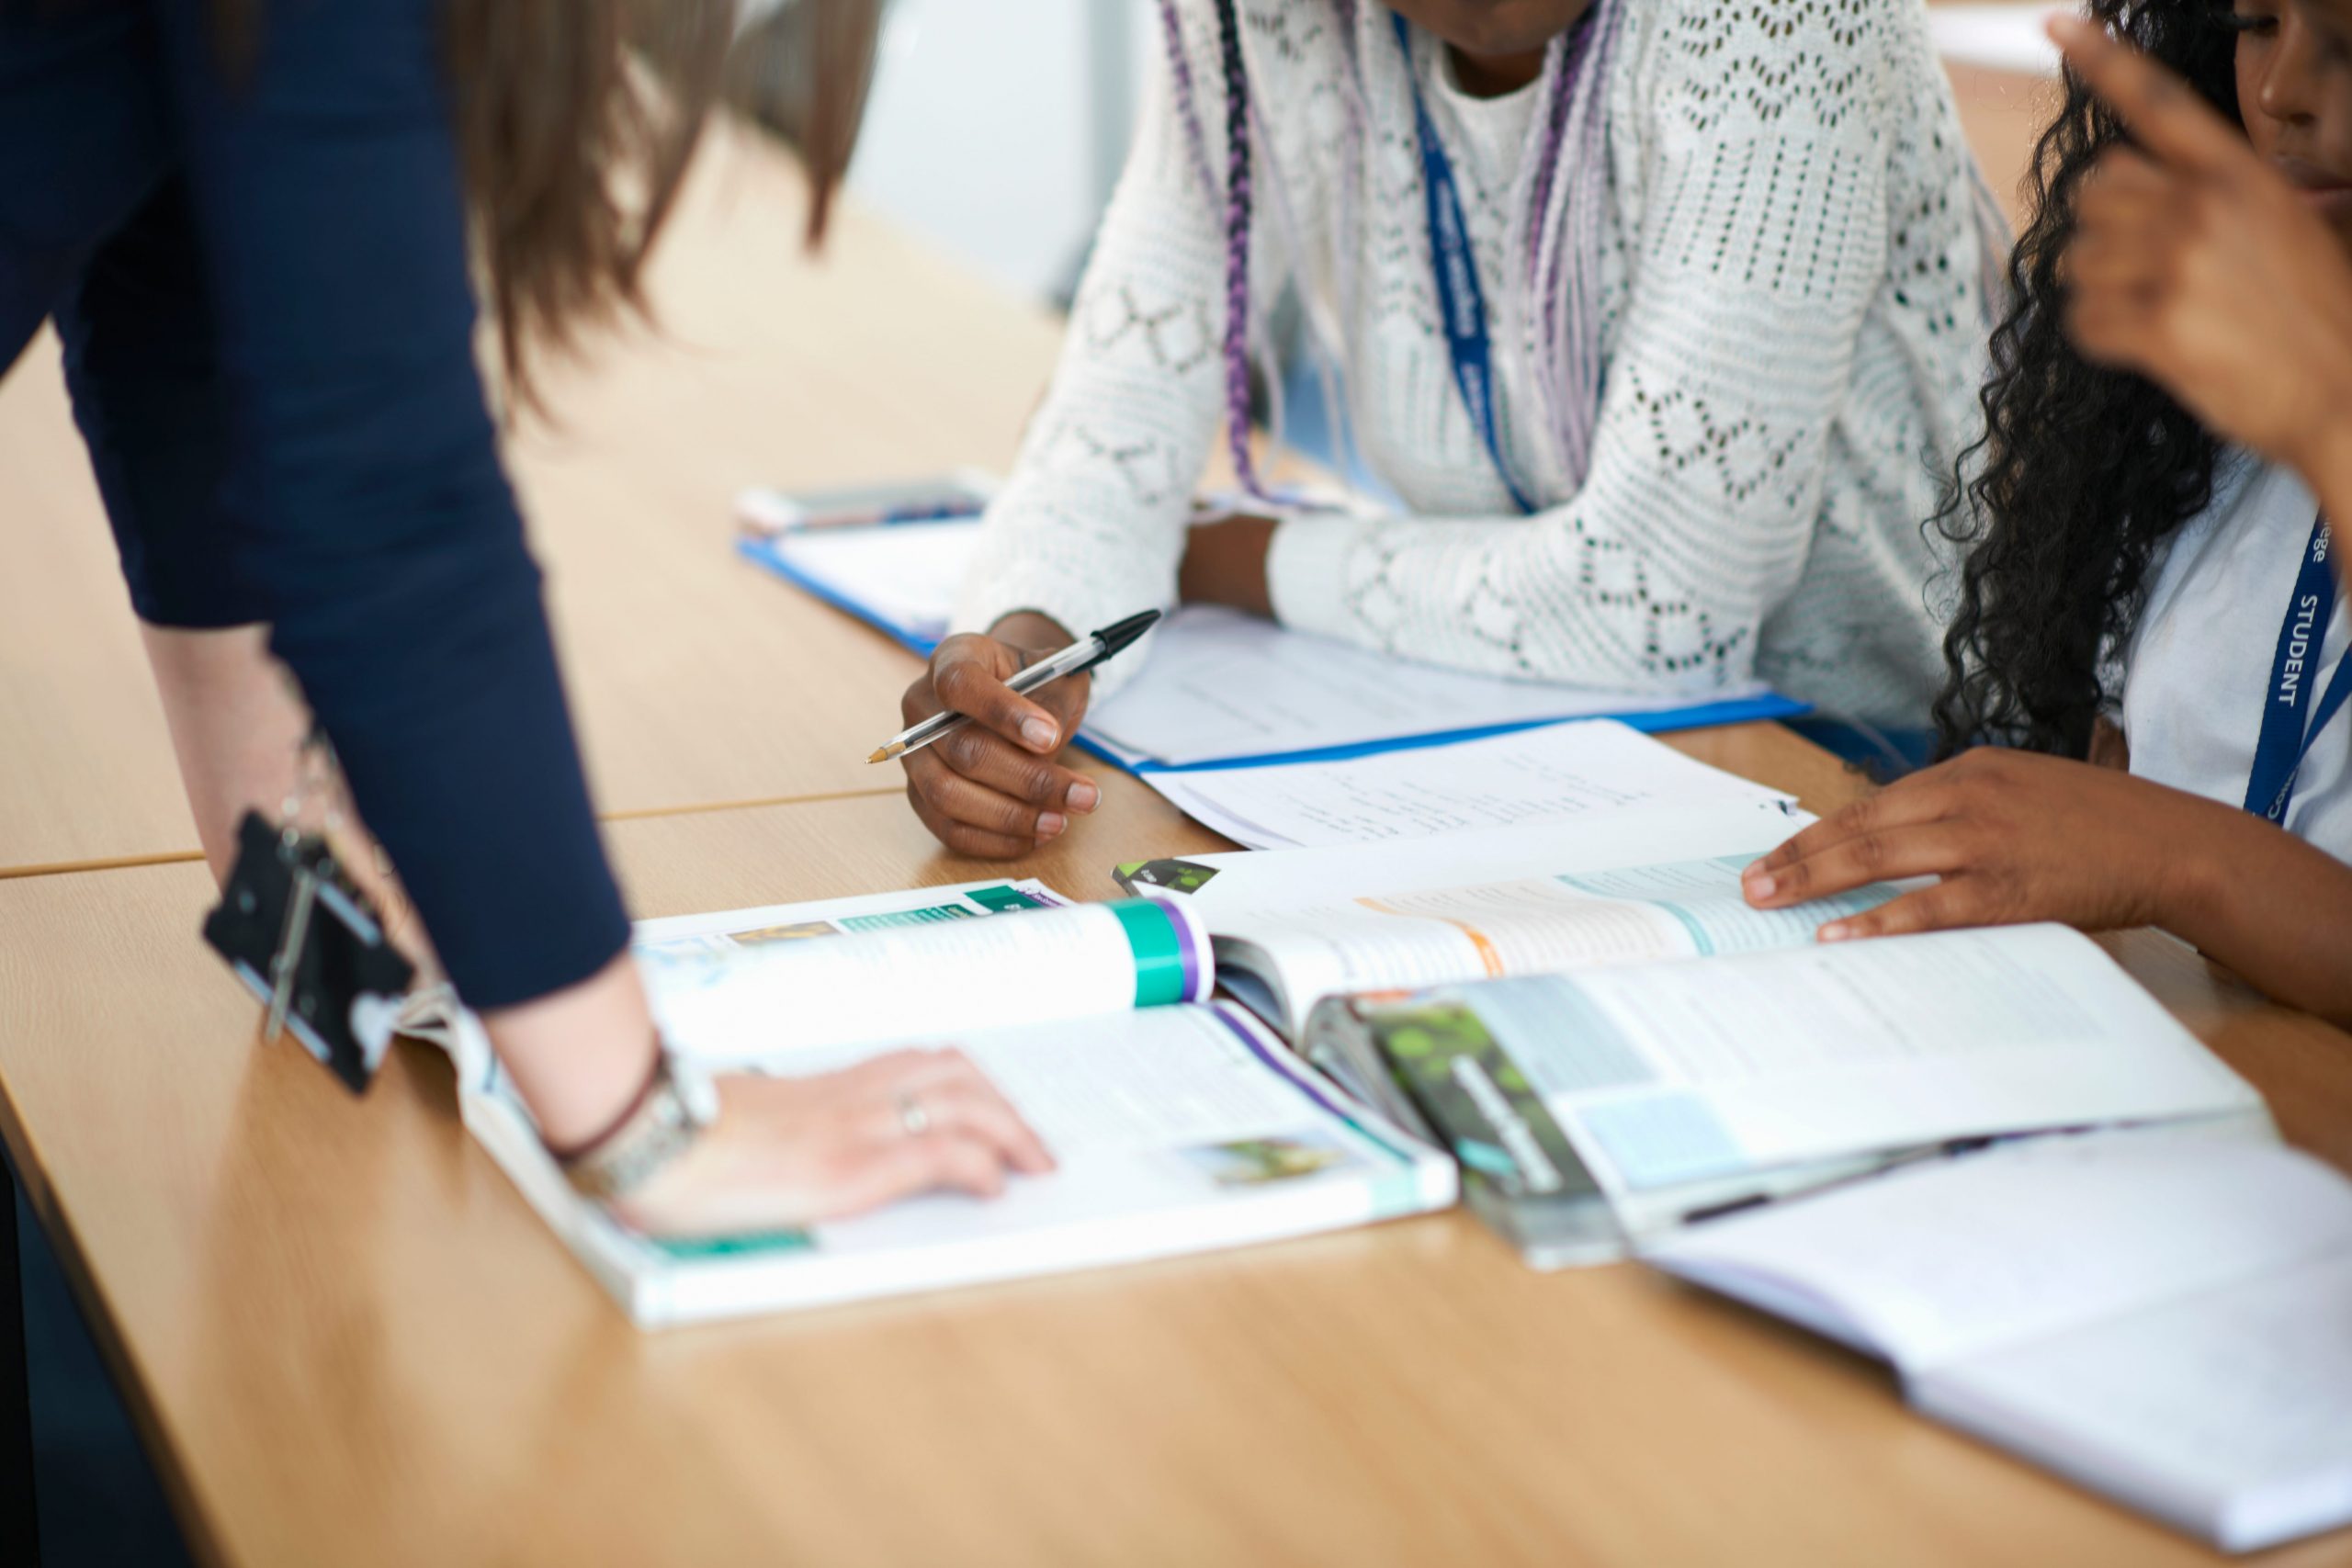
x: 1596, y: 1111
x: 2165, y: 1321
x: 1292, y: 927
x: 1591, y: 1016
x: 1219, y: 686
x: 1179, y: 1126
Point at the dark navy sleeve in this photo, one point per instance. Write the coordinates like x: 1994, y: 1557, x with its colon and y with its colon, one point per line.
x: 83, y: 143
x: 369, y: 511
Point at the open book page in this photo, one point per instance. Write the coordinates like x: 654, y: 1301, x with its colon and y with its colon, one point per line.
x: 1176, y: 1105
x: 1402, y: 916
x: 1545, y: 925
x: 2228, y: 1411
x: 1176, y: 1129
x: 1943, y: 1262
x: 805, y: 984
x: 1527, y: 776
x: 721, y: 930
x: 431, y: 1014
x: 1670, y: 1075
x: 1227, y: 887
x: 1223, y: 685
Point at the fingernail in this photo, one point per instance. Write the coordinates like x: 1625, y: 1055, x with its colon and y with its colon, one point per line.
x: 1051, y: 823
x: 1039, y: 733
x: 1759, y: 883
x: 1835, y: 931
x: 1083, y: 795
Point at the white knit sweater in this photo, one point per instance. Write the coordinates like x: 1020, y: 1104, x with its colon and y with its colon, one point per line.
x: 1791, y: 337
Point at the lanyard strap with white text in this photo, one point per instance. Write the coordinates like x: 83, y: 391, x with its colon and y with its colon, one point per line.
x: 2287, y: 734
x: 1461, y: 304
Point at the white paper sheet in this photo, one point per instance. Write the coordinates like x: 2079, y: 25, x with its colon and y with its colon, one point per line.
x: 1951, y: 1260
x: 1658, y: 833
x: 2229, y: 1413
x: 1528, y: 777
x: 2164, y: 1318
x: 1223, y: 685
x: 906, y: 574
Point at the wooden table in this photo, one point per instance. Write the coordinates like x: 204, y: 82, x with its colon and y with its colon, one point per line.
x: 348, y: 1340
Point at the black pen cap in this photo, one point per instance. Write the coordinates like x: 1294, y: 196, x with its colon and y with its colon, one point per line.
x: 1120, y: 634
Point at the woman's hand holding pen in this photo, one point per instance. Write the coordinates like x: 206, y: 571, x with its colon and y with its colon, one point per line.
x: 993, y: 790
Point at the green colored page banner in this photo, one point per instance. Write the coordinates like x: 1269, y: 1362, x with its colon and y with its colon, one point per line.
x: 1171, y: 953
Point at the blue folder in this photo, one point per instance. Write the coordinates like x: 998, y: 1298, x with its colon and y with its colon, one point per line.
x: 1763, y: 706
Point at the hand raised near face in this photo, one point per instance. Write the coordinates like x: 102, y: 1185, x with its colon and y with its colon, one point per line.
x: 2195, y: 263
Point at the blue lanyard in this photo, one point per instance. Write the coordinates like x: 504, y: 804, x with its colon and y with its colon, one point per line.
x: 1460, y: 302
x: 2287, y: 734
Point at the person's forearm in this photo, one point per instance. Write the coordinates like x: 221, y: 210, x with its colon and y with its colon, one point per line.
x: 1225, y: 563
x: 578, y: 1056
x: 2268, y: 905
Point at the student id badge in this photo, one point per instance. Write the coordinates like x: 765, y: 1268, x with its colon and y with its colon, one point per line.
x: 307, y: 941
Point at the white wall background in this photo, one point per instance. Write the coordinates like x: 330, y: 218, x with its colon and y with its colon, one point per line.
x: 996, y: 126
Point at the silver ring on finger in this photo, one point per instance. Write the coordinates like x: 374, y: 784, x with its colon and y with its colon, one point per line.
x: 913, y: 1116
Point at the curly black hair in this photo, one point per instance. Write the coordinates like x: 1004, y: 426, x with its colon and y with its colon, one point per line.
x: 2081, y: 471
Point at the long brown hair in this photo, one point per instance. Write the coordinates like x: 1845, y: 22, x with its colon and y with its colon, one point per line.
x: 576, y: 120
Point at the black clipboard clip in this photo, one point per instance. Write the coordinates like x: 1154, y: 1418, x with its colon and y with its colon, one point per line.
x: 308, y: 942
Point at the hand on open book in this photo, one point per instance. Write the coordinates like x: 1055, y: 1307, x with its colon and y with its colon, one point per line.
x: 2014, y: 836
x: 788, y: 1152
x: 993, y: 790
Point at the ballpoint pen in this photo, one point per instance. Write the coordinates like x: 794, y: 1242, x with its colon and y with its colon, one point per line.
x: 1077, y: 658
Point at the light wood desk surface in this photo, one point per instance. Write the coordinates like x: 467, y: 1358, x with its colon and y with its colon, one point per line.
x: 697, y: 680
x: 351, y: 1342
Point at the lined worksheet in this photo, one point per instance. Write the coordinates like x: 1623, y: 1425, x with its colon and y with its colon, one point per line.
x: 1526, y: 777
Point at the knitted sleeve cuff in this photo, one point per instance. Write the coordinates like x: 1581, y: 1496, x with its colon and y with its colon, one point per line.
x: 1306, y: 573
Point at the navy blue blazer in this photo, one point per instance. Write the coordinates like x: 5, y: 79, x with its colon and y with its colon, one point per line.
x: 260, y: 275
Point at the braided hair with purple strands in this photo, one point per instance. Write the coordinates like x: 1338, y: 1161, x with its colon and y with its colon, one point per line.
x: 1236, y: 246
x: 1560, y: 202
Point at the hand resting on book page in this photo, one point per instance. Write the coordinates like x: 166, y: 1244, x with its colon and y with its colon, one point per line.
x: 788, y: 1152
x: 993, y: 790
x: 2016, y: 836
